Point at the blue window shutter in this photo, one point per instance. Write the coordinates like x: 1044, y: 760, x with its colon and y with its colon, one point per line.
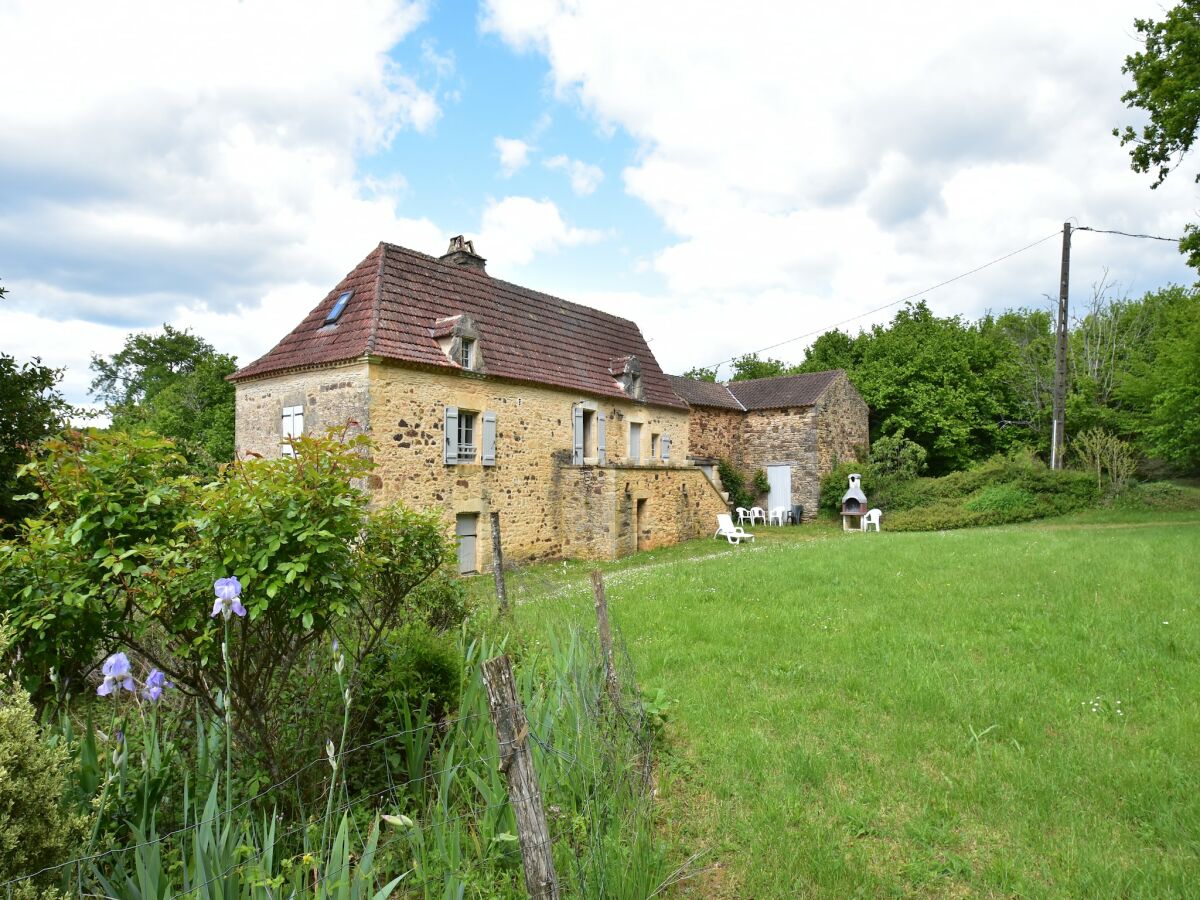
x: 489, y: 439
x: 451, y: 429
x: 666, y: 447
x: 601, y: 448
x: 577, y: 435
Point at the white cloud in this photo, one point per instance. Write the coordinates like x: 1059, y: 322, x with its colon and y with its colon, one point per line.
x: 516, y: 229
x: 585, y: 177
x: 229, y: 168
x: 823, y: 160
x: 513, y: 153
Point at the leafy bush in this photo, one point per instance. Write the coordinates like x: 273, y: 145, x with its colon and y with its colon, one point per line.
x: 1007, y: 488
x: 37, y: 828
x: 735, y: 484
x: 1105, y: 454
x: 1159, y: 495
x: 130, y: 544
x: 897, y: 455
x: 761, y: 483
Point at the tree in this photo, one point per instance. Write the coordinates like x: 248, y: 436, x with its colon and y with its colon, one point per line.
x: 699, y: 373
x: 750, y: 366
x: 31, y: 408
x: 172, y: 383
x: 1166, y: 85
x: 832, y: 350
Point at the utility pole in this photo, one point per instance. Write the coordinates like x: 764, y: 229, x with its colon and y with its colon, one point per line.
x: 1058, y: 426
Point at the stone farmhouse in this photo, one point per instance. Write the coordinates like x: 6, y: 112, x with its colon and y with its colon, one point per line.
x: 482, y: 396
x: 794, y: 427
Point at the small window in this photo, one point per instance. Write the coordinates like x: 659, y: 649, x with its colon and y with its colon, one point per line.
x: 635, y: 441
x: 466, y: 353
x: 291, y: 426
x: 466, y: 436
x: 653, y: 446
x: 339, y: 307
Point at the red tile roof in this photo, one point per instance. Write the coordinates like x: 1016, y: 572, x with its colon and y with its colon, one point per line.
x: 757, y: 393
x: 400, y: 296
x: 704, y: 393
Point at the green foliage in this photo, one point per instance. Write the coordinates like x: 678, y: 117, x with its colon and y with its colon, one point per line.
x: 832, y: 350
x: 1105, y: 454
x: 734, y: 484
x: 1012, y: 488
x: 750, y: 366
x: 1166, y: 85
x: 129, y: 546
x: 37, y: 827
x: 31, y: 409
x: 699, y: 373
x: 174, y: 384
x: 897, y: 455
x: 761, y: 483
x: 1161, y: 496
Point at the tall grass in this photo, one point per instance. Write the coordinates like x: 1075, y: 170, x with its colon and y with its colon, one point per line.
x: 426, y: 816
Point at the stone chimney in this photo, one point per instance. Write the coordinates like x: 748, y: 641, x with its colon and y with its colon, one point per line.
x: 462, y: 253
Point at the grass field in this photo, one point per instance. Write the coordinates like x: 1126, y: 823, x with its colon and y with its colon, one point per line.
x: 1008, y: 711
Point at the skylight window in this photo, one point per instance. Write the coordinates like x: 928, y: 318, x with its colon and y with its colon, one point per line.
x: 338, y: 307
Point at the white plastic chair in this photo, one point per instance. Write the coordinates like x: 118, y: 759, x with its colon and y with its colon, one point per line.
x: 872, y: 517
x: 732, y: 533
x: 757, y: 514
x: 777, y: 515
x: 743, y: 515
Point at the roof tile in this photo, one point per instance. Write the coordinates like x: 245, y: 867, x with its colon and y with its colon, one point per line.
x: 400, y: 296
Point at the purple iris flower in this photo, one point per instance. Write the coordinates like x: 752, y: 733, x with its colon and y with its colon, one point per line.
x: 116, y: 674
x: 228, y: 591
x: 156, y: 682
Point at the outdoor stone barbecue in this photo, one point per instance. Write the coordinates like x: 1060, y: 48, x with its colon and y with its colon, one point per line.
x: 854, y: 505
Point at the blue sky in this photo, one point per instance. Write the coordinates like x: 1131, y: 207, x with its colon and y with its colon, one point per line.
x: 728, y: 175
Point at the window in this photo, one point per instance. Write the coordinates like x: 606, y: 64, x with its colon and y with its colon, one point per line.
x: 635, y: 441
x: 653, y: 446
x: 466, y: 353
x: 339, y: 307
x: 291, y: 426
x: 466, y: 436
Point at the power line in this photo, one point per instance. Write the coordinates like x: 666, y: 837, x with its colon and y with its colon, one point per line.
x: 940, y: 284
x: 1149, y: 237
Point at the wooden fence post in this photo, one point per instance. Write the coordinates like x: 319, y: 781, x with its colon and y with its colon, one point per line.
x: 606, y: 646
x: 516, y: 763
x: 498, y: 565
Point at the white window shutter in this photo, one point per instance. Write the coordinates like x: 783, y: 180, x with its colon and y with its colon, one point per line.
x: 666, y: 447
x: 489, y: 439
x: 601, y: 447
x: 451, y: 428
x: 577, y: 432
x: 298, y: 421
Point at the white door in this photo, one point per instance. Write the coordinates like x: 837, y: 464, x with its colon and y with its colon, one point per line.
x: 780, y: 480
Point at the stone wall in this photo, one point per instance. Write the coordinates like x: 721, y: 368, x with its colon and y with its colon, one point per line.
x: 612, y: 511
x: 716, y: 433
x: 772, y: 437
x: 533, y: 450
x: 843, y: 431
x: 331, y: 397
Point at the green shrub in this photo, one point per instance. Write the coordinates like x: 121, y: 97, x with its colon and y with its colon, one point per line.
x: 762, y: 484
x: 897, y: 455
x: 1006, y: 499
x: 734, y: 484
x: 37, y: 829
x: 1159, y: 495
x: 414, y: 666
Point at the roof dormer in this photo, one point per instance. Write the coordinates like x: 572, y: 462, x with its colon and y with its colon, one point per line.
x: 627, y: 372
x: 459, y: 338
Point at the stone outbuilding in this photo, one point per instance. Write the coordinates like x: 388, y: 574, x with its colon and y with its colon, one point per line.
x: 482, y: 396
x: 796, y: 428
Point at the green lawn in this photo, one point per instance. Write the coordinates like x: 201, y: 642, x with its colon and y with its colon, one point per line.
x: 1008, y: 711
